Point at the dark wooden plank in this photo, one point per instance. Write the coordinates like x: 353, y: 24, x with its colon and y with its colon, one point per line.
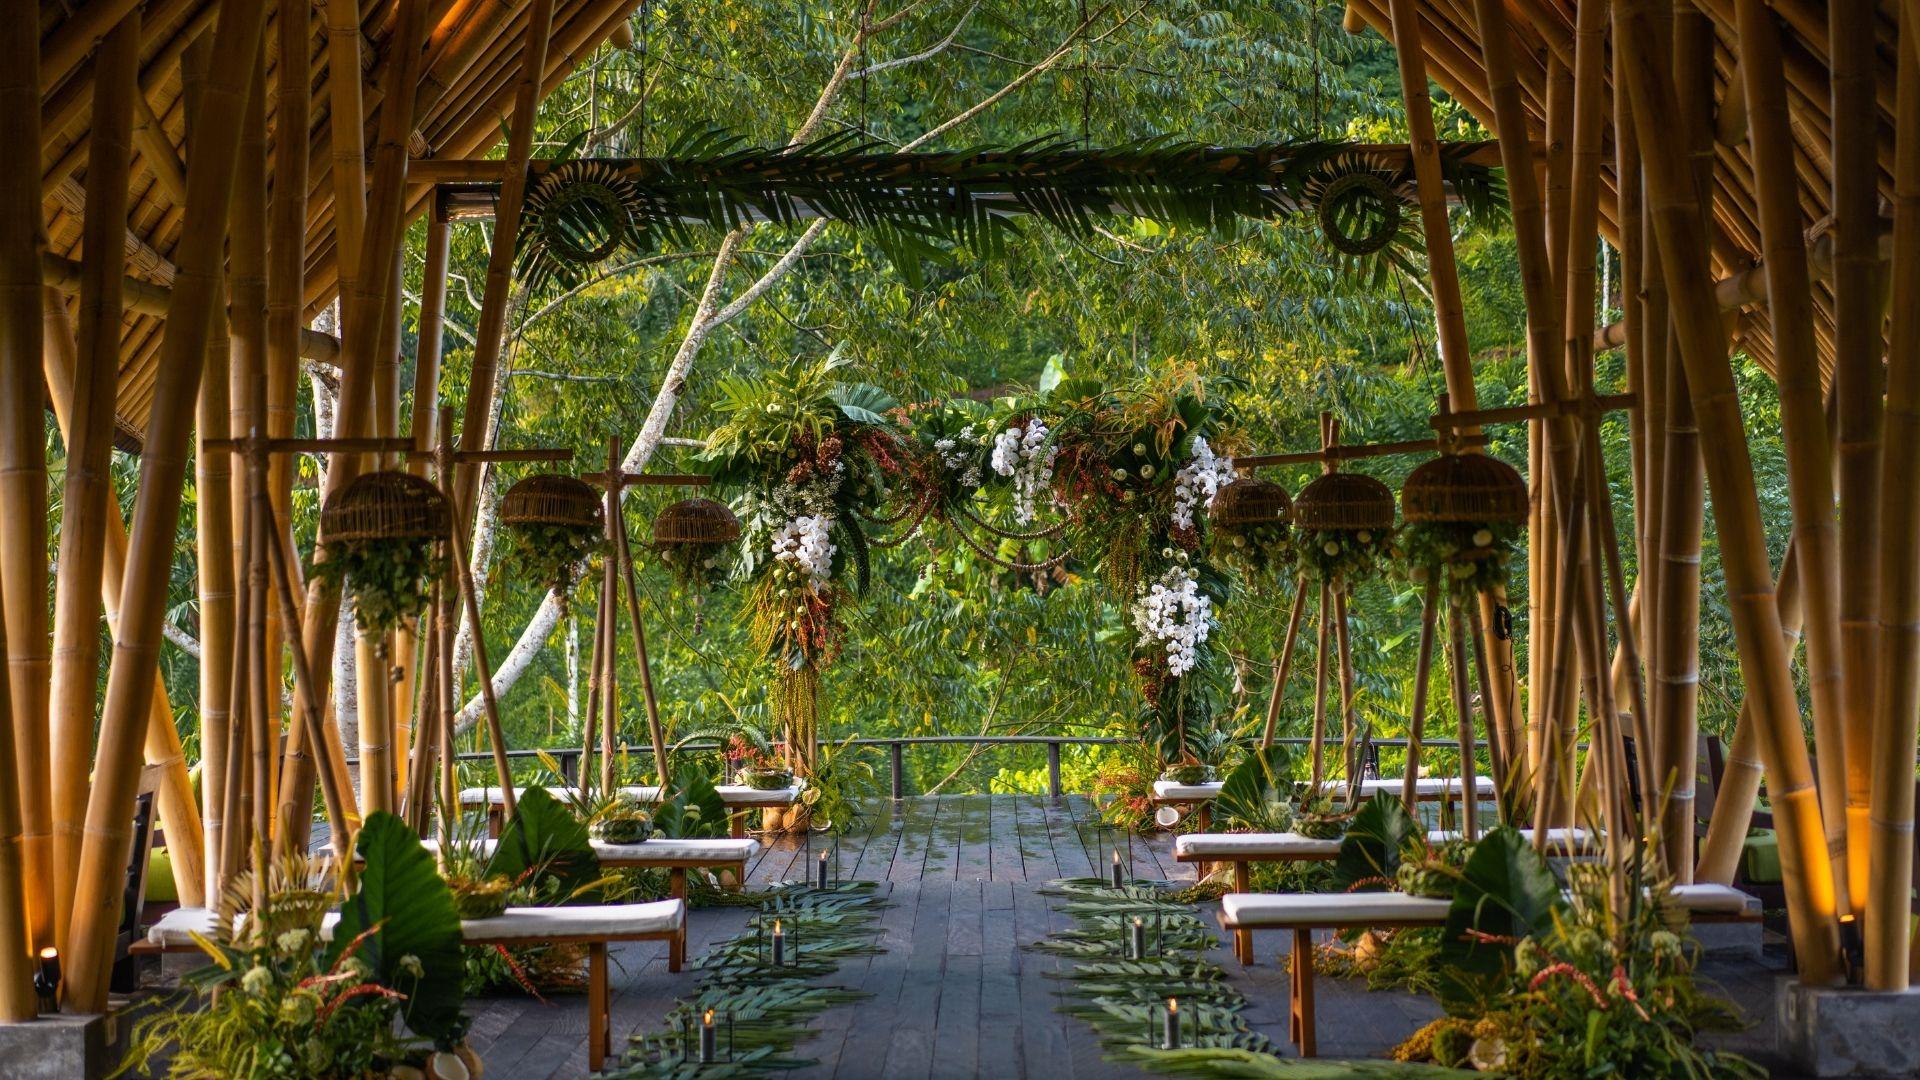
x: 906, y: 1045
x: 1004, y: 861
x: 1042, y: 1031
x: 973, y: 861
x: 919, y: 851
x: 965, y: 919
x: 957, y: 1029
x: 1035, y: 840
x: 1070, y: 852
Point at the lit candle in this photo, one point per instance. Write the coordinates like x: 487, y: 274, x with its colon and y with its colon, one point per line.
x: 779, y: 945
x: 1139, y: 939
x: 46, y: 981
x: 1118, y: 880
x: 707, y: 1038
x: 823, y: 869
x: 1172, y: 1039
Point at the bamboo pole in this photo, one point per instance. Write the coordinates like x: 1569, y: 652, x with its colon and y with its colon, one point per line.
x: 1422, y: 676
x: 1349, y: 713
x: 1324, y: 615
x: 482, y: 668
x: 286, y: 270
x: 1286, y: 661
x: 348, y: 142
x: 1859, y: 383
x: 87, y: 490
x: 648, y: 698
x: 421, y: 769
x: 1897, y: 686
x: 489, y: 335
x: 1463, y: 713
x: 589, y: 731
x: 1674, y: 204
x: 157, y: 510
x: 1739, y: 787
x: 1802, y: 412
x: 247, y: 374
x: 20, y: 299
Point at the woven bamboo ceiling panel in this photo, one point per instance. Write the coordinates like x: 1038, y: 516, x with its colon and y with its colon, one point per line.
x: 471, y: 57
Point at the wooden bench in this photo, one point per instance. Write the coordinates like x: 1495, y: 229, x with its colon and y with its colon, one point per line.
x: 1241, y: 849
x: 1304, y: 913
x: 595, y: 926
x: 1196, y: 798
x: 738, y: 799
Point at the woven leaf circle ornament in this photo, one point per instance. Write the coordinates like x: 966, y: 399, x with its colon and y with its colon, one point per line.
x: 577, y: 215
x: 1360, y: 213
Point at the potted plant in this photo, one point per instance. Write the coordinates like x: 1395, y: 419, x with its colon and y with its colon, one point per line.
x: 1432, y: 871
x: 1189, y: 773
x: 623, y: 821
x: 479, y: 897
x: 1318, y: 816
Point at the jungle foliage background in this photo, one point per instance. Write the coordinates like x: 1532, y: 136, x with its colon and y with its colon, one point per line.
x: 944, y: 643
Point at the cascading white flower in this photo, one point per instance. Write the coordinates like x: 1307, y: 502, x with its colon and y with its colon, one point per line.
x: 1023, y: 453
x: 1198, y: 481
x: 1172, y: 612
x: 806, y: 542
x: 957, y: 455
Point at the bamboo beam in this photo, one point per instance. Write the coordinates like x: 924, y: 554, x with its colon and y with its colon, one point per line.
x: 156, y: 149
x: 157, y: 510
x: 1674, y: 205
x: 1802, y: 412
x: 1897, y: 682
x: 76, y: 35
x: 490, y: 334
x: 344, y: 75
x: 20, y: 221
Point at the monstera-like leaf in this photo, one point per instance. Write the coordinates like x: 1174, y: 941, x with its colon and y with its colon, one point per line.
x: 1258, y: 794
x: 692, y: 808
x: 1375, y: 840
x: 545, y: 839
x: 402, y: 900
x: 1506, y: 892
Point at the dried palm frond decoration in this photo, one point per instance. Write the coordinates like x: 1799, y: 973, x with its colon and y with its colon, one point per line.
x: 579, y: 212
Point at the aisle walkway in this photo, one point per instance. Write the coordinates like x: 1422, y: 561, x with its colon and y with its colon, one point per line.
x: 954, y: 995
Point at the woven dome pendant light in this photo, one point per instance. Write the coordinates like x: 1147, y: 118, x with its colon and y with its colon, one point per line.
x: 385, y: 505
x: 1465, y: 489
x: 695, y: 522
x: 552, y: 499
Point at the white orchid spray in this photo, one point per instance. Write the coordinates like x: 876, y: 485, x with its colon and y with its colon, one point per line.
x: 1198, y: 481
x: 1173, y: 615
x: 1023, y: 453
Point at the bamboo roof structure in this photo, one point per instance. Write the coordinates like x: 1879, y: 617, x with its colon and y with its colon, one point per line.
x: 471, y: 59
x: 1543, y: 40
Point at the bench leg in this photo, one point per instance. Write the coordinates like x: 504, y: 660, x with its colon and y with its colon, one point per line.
x: 1242, y: 939
x: 599, y: 1007
x: 495, y: 817
x: 737, y: 825
x: 677, y: 947
x: 1300, y: 1012
x: 1203, y: 814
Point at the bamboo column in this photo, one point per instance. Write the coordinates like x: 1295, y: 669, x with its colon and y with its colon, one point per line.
x: 1286, y: 661
x: 589, y: 731
x: 1802, y: 412
x: 489, y: 335
x: 1463, y: 715
x: 20, y: 300
x: 87, y: 496
x: 157, y: 508
x: 1858, y: 386
x: 348, y: 143
x: 1422, y: 674
x: 1674, y: 204
x: 648, y: 699
x: 1324, y: 614
x: 1897, y: 696
x: 286, y: 281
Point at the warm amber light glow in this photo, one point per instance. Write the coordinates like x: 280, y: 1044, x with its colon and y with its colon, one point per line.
x: 49, y: 953
x: 1173, y: 1005
x: 776, y: 926
x: 709, y: 1018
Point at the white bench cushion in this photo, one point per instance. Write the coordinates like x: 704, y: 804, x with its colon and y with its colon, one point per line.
x: 610, y: 921
x: 1254, y: 910
x: 740, y: 795
x: 176, y: 928
x: 1427, y: 787
x: 1711, y: 899
x: 494, y: 796
x: 1168, y: 791
x: 1226, y: 846
x: 667, y: 849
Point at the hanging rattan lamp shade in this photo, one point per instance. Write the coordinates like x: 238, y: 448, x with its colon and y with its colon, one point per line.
x: 552, y: 499
x: 1465, y: 489
x: 1344, y: 500
x: 695, y: 522
x: 385, y: 506
x: 1249, y: 502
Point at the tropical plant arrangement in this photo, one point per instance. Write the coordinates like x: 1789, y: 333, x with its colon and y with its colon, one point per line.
x: 1343, y: 557
x: 382, y: 537
x: 1587, y: 977
x: 624, y: 820
x: 811, y: 454
x: 1468, y: 558
x: 552, y: 554
x: 382, y: 998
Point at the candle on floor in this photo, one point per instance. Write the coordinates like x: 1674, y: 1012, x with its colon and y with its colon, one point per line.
x: 1118, y: 880
x: 46, y: 980
x: 1172, y: 1037
x: 1139, y: 941
x: 779, y: 945
x: 823, y: 869
x: 707, y: 1039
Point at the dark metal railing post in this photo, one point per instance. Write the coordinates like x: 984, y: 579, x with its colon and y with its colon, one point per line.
x: 1053, y: 770
x: 570, y: 767
x: 894, y: 755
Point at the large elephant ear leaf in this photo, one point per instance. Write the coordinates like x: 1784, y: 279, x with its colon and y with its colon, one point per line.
x: 1258, y: 793
x: 544, y: 839
x: 1506, y: 892
x: 401, y: 899
x: 1376, y: 839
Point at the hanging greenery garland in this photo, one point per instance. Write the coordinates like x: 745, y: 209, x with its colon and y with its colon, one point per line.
x: 813, y: 455
x: 554, y: 525
x: 1464, y: 514
x: 1251, y: 532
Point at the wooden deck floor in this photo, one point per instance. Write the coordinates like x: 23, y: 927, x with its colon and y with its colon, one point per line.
x: 954, y: 995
